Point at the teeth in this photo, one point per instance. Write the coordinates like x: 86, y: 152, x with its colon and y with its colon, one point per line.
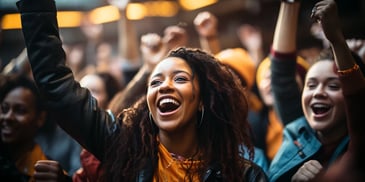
x: 168, y: 100
x: 320, y: 106
x: 6, y: 130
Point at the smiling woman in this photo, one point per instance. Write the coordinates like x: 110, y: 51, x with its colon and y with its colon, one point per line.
x: 191, y: 97
x: 320, y: 130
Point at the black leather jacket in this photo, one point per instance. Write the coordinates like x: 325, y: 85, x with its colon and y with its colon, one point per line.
x: 71, y: 104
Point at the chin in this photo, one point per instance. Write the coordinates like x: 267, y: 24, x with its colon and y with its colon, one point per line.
x: 318, y: 125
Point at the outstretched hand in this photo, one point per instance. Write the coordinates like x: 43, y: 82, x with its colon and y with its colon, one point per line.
x: 250, y: 37
x: 206, y: 24
x: 152, y: 49
x: 175, y: 36
x: 325, y: 12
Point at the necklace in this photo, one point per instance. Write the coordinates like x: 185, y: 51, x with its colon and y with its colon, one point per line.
x: 171, y: 162
x: 172, y: 167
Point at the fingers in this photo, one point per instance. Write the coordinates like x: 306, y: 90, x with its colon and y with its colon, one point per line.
x: 175, y: 36
x: 323, y: 8
x: 203, y: 17
x: 309, y: 171
x: 206, y: 24
x: 325, y: 13
x: 312, y: 168
x: 151, y: 41
x: 47, y: 170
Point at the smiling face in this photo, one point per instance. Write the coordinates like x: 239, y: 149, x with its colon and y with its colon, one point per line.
x: 173, y: 96
x: 322, y: 99
x: 19, y: 119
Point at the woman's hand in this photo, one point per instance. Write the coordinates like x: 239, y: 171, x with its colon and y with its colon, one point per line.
x: 325, y: 12
x: 308, y: 172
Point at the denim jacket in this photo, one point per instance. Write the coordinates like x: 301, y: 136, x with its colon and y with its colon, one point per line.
x: 299, y: 145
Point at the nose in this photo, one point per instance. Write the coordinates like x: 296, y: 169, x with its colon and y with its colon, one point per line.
x: 319, y: 92
x: 166, y: 86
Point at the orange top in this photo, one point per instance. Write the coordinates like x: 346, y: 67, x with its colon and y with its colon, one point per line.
x: 274, y: 136
x: 25, y: 164
x: 172, y: 168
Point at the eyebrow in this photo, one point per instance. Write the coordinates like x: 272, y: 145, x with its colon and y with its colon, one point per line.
x: 173, y: 73
x: 329, y: 79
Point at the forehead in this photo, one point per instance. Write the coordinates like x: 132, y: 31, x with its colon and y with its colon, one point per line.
x: 20, y: 95
x: 171, y: 64
x: 322, y: 69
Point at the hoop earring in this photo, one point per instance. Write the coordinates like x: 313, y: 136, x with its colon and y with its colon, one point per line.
x: 201, y: 118
x: 150, y: 117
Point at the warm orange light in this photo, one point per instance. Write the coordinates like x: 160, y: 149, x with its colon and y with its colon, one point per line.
x: 161, y: 8
x: 11, y: 21
x: 65, y: 19
x: 104, y: 14
x: 136, y: 11
x: 68, y: 19
x: 195, y: 4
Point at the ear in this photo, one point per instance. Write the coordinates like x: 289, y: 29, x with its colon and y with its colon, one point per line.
x: 41, y: 119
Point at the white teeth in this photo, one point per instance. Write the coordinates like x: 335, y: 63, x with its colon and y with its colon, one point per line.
x: 320, y: 106
x: 168, y: 100
x: 6, y: 130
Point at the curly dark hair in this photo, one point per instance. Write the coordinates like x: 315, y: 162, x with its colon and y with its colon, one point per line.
x: 12, y: 81
x: 223, y: 131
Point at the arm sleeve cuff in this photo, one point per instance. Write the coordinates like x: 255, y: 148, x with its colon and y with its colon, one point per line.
x: 283, y: 56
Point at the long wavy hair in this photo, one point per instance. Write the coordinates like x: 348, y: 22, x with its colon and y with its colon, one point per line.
x: 222, y: 133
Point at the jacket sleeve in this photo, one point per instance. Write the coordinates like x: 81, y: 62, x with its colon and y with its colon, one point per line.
x: 255, y: 173
x: 285, y: 90
x: 74, y: 108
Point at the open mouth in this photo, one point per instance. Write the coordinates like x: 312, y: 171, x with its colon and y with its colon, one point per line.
x: 168, y: 105
x: 320, y: 108
x: 7, y: 131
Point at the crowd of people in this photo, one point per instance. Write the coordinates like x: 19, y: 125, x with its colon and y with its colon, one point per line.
x: 164, y: 111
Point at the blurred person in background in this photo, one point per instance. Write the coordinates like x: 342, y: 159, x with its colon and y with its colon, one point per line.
x: 21, y: 116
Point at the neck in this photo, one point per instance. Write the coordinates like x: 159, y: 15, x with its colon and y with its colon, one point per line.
x: 182, y: 145
x: 333, y: 136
